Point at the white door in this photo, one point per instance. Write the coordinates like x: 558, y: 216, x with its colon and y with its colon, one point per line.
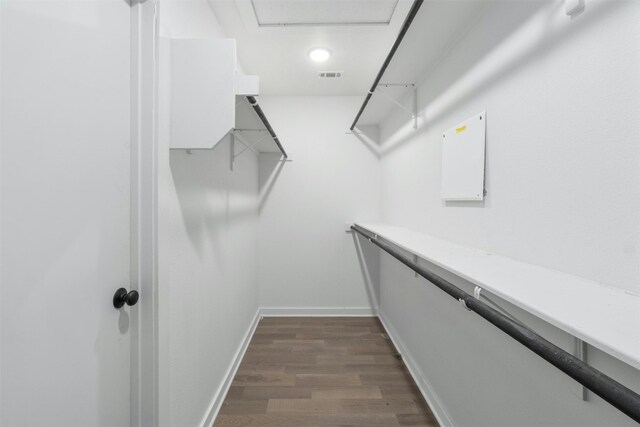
x: 65, y: 212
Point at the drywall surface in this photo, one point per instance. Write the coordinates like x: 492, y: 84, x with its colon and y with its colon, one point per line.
x: 563, y: 191
x: 207, y: 237
x: 562, y: 157
x: 307, y: 260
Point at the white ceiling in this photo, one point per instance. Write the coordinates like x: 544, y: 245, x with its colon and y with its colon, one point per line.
x: 358, y: 32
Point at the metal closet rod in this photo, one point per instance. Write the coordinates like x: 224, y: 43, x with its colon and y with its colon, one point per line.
x: 405, y: 27
x: 254, y: 103
x: 621, y: 397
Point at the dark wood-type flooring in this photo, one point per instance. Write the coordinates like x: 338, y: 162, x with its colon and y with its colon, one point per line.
x: 323, y: 371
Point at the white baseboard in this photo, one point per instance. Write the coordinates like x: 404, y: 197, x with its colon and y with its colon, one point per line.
x: 218, y: 398
x: 318, y: 311
x: 425, y: 387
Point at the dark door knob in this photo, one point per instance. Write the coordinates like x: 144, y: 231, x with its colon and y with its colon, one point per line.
x: 122, y: 296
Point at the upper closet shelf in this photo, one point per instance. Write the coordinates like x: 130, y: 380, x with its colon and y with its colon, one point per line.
x: 602, y: 316
x: 430, y: 30
x: 207, y: 98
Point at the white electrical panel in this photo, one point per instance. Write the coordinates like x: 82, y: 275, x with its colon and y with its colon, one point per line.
x: 463, y: 160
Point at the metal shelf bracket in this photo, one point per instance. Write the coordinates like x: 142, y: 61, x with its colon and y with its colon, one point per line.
x: 237, y: 134
x: 581, y: 353
x: 414, y: 103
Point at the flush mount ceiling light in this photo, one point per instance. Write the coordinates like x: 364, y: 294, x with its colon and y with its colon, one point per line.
x: 319, y: 54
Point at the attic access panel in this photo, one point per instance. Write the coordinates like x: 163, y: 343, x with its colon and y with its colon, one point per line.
x: 273, y: 13
x: 463, y: 149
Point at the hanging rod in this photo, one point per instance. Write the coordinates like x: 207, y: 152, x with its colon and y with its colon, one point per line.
x: 405, y: 27
x: 619, y: 396
x: 254, y: 103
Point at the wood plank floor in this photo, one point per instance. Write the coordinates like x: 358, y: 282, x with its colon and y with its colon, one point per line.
x: 323, y: 371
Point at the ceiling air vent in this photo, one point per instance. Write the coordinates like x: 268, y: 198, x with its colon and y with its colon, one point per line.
x: 330, y: 74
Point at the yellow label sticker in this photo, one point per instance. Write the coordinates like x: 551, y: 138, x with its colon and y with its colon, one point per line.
x: 461, y: 129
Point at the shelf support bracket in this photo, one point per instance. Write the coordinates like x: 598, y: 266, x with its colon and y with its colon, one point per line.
x: 232, y: 151
x: 415, y: 107
x: 247, y: 145
x: 414, y: 102
x: 581, y: 353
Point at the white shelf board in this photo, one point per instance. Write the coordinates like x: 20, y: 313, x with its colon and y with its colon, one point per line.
x: 604, y: 317
x: 202, y: 92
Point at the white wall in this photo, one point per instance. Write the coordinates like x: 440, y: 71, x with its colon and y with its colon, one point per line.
x: 208, y: 228
x: 563, y: 162
x: 563, y: 182
x: 307, y: 261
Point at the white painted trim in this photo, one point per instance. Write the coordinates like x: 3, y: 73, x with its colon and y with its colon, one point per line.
x: 221, y: 393
x: 1, y: 239
x: 318, y: 311
x: 144, y: 257
x: 438, y: 409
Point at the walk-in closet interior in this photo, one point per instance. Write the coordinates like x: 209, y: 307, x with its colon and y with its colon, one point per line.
x: 319, y: 213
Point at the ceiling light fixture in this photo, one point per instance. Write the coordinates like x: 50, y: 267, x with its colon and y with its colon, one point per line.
x: 319, y: 54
